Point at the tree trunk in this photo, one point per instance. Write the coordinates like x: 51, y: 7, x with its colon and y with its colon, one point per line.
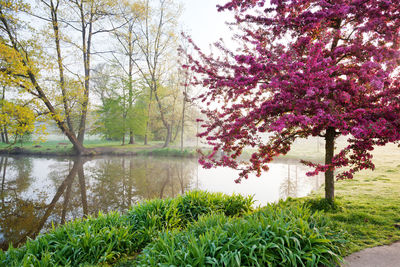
x: 6, y: 135
x: 54, y: 19
x: 172, y: 136
x: 78, y: 147
x: 3, y: 179
x: 163, y: 119
x: 86, y: 52
x: 329, y: 174
x: 145, y: 135
x: 85, y: 104
x: 124, y: 126
x: 168, y: 138
x: 131, y: 138
x: 173, y: 139
x: 130, y: 73
x: 3, y: 131
x: 330, y: 138
x: 148, y: 117
x: 183, y: 121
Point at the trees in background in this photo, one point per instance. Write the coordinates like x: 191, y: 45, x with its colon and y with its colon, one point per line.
x: 49, y: 47
x: 157, y: 43
x: 120, y: 112
x: 132, y: 13
x: 145, y: 65
x: 304, y: 68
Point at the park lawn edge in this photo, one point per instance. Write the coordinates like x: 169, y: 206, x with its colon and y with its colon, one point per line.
x: 368, y: 206
x: 53, y: 149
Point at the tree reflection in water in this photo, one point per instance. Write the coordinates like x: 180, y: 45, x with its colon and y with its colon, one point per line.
x: 79, y: 187
x: 37, y: 192
x: 289, y: 187
x: 119, y: 183
x: 16, y: 213
x: 295, y: 181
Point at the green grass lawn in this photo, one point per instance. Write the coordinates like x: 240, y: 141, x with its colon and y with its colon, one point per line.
x: 368, y: 205
x: 56, y: 147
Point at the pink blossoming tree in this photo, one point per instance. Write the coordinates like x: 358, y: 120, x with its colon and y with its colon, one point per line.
x: 304, y: 68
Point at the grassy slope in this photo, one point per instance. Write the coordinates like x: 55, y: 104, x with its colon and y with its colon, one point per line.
x: 369, y: 205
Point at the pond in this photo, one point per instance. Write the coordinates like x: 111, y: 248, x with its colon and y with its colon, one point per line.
x: 38, y: 192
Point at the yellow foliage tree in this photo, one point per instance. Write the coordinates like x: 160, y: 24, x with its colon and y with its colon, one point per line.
x: 17, y: 120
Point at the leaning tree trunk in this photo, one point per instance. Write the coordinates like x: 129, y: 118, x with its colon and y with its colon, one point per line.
x: 50, y: 207
x: 329, y: 174
x: 78, y: 146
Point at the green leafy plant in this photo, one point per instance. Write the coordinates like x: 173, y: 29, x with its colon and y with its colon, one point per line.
x: 108, y: 237
x: 278, y: 235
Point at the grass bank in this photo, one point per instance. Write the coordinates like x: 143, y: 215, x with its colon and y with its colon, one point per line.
x: 98, y: 147
x: 367, y: 207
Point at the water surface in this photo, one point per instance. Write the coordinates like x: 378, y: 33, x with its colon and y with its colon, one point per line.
x: 38, y: 192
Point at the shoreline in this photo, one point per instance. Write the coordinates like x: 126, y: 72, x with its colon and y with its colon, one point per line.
x: 153, y: 151
x: 102, y: 151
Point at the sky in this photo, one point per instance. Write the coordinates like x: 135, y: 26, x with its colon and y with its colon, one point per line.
x: 204, y: 23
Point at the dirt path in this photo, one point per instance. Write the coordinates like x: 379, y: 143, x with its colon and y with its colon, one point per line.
x: 382, y: 256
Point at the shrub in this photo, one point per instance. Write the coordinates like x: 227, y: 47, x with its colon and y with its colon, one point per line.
x: 278, y: 235
x: 154, y: 216
x: 323, y: 205
x: 198, y: 203
x: 92, y: 240
x: 108, y: 237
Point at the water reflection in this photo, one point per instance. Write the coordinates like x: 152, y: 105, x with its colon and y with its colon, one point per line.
x: 37, y: 192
